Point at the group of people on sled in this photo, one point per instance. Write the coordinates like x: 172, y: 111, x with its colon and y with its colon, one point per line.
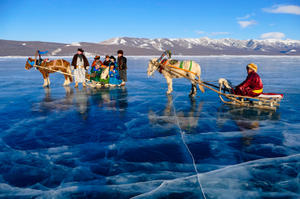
x: 110, y: 71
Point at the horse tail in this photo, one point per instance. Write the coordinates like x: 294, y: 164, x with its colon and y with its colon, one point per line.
x: 69, y: 71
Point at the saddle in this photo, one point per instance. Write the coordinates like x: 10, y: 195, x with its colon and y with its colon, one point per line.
x: 173, y: 61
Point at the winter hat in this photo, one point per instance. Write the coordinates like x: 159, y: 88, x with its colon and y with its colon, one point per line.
x: 80, y: 49
x: 252, y: 66
x: 120, y: 52
x: 112, y: 57
x: 97, y: 57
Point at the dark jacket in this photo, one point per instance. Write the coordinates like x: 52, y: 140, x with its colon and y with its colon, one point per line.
x: 122, y: 63
x: 252, y: 86
x: 106, y: 63
x: 74, y: 61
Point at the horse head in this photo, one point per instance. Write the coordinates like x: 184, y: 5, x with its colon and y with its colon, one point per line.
x: 152, y: 66
x: 29, y: 63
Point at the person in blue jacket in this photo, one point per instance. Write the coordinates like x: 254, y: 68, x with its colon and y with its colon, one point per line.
x: 114, y: 77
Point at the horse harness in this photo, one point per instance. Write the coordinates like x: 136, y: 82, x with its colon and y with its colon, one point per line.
x: 163, y: 64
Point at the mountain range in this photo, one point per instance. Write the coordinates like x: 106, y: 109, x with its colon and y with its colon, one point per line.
x: 144, y: 46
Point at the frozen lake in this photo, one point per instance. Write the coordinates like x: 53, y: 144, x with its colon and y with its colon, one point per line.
x: 138, y: 142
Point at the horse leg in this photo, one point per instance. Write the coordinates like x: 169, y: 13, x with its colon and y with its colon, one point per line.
x: 70, y: 78
x: 170, y: 85
x: 66, y: 82
x: 45, y: 79
x: 193, y: 90
x: 48, y: 80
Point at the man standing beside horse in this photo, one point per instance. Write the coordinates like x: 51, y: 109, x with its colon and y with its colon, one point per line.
x: 80, y: 64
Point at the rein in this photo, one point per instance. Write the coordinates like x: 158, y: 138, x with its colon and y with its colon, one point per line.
x: 43, y: 67
x: 56, y: 71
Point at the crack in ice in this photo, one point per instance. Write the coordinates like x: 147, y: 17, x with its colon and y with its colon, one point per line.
x: 192, y: 157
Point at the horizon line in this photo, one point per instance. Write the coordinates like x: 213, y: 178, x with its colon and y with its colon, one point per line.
x: 150, y: 39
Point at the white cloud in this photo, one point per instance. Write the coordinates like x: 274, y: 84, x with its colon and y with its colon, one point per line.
x: 200, y: 32
x: 247, y: 16
x: 272, y: 35
x: 245, y: 24
x: 219, y: 33
x: 244, y: 17
x: 284, y: 9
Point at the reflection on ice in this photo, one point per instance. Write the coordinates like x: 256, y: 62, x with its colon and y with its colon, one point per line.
x: 111, y: 98
x: 51, y: 104
x: 188, y: 118
x: 246, y: 120
x: 81, y: 102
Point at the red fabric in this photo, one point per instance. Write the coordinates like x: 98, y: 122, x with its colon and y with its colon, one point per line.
x: 95, y: 63
x: 253, y: 82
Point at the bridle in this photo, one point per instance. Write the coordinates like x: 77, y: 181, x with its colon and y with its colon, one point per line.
x: 31, y: 63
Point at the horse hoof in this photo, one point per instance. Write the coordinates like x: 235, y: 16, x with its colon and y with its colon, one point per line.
x: 192, y: 94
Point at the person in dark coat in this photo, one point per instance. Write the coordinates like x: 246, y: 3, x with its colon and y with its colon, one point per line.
x: 106, y: 62
x: 253, y: 85
x: 80, y: 65
x: 122, y: 66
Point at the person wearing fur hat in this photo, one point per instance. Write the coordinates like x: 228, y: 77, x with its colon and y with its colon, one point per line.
x: 113, y: 60
x: 253, y: 85
x: 80, y: 65
x: 122, y: 66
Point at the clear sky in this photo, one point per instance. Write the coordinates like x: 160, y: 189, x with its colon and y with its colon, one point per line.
x: 96, y: 20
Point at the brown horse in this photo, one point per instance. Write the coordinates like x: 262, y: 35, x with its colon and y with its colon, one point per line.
x: 58, y: 65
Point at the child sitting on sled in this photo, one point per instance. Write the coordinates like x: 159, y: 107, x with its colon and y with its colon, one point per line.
x: 114, y: 77
x: 96, y: 69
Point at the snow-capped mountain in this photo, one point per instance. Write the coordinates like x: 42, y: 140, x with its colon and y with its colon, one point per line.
x: 144, y: 46
x: 207, y: 46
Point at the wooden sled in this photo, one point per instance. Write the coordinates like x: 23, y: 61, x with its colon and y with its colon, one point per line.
x: 267, y: 101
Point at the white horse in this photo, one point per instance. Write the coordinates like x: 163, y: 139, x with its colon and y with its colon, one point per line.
x: 182, y: 69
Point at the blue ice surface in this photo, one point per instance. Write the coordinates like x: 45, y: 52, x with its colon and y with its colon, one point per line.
x: 62, y: 142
